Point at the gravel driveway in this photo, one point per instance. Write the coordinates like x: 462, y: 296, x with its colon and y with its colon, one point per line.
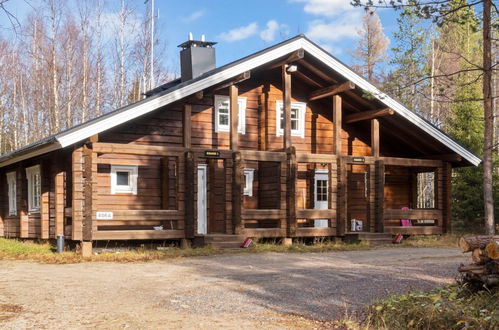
x: 231, y: 291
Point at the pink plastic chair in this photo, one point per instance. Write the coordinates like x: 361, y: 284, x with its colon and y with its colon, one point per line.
x: 406, y: 222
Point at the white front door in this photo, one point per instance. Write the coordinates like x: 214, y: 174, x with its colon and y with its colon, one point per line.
x: 321, y: 195
x: 201, y: 204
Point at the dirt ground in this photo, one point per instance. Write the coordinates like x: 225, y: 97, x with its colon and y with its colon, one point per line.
x: 268, y: 291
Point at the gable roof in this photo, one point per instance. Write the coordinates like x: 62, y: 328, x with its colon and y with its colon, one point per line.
x: 175, y: 91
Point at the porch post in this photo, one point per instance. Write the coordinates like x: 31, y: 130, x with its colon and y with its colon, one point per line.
x: 341, y: 209
x: 341, y: 181
x: 379, y: 195
x: 22, y: 202
x: 189, y: 203
x: 337, y: 124
x: 291, y: 191
x: 447, y: 198
x: 90, y: 198
x: 286, y: 81
x: 187, y: 123
x: 234, y: 117
x: 4, y: 210
x: 59, y: 203
x: 375, y: 137
x: 44, y: 200
x: 77, y: 203
x: 237, y: 193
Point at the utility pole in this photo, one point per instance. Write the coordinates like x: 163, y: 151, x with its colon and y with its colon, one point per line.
x: 151, y: 78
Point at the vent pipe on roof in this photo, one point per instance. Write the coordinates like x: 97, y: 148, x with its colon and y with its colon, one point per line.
x: 196, y: 57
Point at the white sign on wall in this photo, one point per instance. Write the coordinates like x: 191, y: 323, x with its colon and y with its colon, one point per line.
x: 104, y: 215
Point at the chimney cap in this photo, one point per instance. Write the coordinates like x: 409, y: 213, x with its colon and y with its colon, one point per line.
x: 196, y: 43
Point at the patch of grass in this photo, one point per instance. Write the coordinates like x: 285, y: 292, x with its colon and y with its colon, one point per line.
x: 451, y: 307
x: 44, y: 253
x: 300, y: 247
x: 431, y: 241
x: 15, y: 247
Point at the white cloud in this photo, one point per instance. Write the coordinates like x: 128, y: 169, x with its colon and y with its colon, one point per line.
x: 194, y: 16
x: 240, y: 33
x: 268, y: 34
x: 273, y: 28
x: 331, y: 49
x: 336, y: 20
x: 326, y: 7
x: 342, y: 27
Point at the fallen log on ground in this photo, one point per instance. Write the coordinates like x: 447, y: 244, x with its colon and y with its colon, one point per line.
x: 469, y: 243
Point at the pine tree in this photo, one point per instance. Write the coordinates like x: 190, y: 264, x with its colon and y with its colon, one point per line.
x: 409, y: 60
x: 465, y: 122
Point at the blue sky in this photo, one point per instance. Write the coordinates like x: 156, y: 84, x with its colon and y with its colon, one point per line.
x: 243, y: 27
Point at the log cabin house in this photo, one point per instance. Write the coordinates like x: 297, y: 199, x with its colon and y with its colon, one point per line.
x: 287, y: 142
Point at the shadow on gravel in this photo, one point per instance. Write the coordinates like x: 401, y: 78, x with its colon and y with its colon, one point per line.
x: 321, y: 286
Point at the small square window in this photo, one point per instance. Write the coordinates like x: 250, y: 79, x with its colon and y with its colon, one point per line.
x: 124, y: 179
x: 298, y: 110
x: 248, y: 181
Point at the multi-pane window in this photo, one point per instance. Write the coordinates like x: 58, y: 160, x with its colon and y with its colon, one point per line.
x: 222, y: 114
x: 298, y: 110
x: 124, y: 179
x: 34, y: 188
x: 321, y: 186
x: 12, y: 192
x: 295, y: 124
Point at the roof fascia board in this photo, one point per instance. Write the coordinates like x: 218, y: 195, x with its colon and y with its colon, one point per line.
x: 72, y: 136
x: 34, y: 153
x: 342, y: 69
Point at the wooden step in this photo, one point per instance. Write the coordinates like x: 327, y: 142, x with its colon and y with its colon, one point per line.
x: 369, y: 238
x: 221, y: 241
x: 226, y: 245
x: 224, y: 238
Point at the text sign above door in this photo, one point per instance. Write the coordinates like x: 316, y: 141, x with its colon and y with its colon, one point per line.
x: 212, y: 153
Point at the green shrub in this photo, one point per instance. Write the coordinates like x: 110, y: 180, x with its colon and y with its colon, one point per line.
x: 452, y: 307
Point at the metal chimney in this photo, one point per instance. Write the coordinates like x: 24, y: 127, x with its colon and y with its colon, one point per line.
x: 196, y: 58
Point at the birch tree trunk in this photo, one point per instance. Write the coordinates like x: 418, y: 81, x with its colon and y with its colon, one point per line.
x: 55, y: 86
x: 489, y: 119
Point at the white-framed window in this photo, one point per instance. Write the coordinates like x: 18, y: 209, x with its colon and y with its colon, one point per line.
x: 298, y: 110
x: 12, y: 192
x: 248, y: 181
x: 124, y: 179
x: 34, y: 188
x: 222, y: 114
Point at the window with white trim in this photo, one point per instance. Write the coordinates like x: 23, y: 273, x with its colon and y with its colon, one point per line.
x: 12, y: 192
x: 298, y: 110
x: 222, y: 114
x: 124, y: 179
x: 248, y: 181
x: 34, y: 188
